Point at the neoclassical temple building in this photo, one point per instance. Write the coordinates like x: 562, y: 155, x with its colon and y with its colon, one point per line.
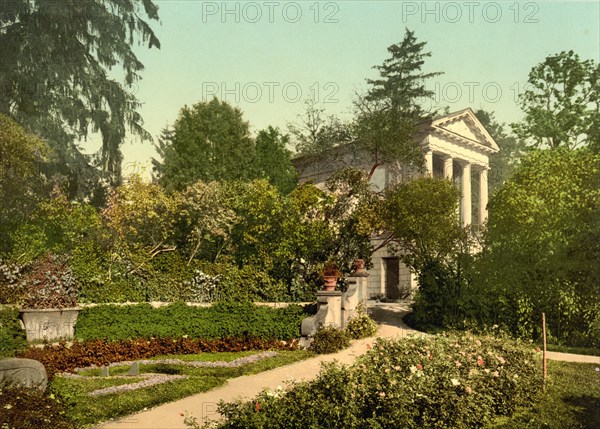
x: 455, y: 146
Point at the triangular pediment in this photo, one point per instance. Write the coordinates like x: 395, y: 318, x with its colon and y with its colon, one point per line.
x: 464, y: 125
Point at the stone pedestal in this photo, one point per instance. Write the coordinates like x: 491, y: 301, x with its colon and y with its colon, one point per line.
x: 350, y: 300
x: 329, y: 312
x: 362, y: 290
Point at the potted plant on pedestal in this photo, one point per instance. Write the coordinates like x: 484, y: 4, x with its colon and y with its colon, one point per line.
x: 331, y: 275
x: 359, y: 267
x: 50, y: 310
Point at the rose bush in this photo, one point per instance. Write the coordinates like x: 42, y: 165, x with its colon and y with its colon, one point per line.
x: 444, y: 381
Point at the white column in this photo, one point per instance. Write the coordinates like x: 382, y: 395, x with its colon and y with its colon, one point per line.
x: 448, y: 168
x: 465, y: 198
x: 483, y: 195
x: 429, y: 163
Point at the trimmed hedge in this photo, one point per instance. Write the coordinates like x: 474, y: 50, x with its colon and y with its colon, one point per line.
x: 445, y: 381
x: 221, y: 320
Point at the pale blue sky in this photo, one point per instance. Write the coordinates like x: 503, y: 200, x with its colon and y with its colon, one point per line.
x: 267, y: 57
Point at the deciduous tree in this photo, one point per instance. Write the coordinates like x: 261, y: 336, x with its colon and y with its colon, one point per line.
x: 542, y: 248
x: 561, y: 103
x: 23, y: 182
x: 273, y: 159
x: 210, y: 141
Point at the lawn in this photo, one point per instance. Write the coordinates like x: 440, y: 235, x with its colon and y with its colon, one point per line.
x: 88, y: 410
x: 571, y: 400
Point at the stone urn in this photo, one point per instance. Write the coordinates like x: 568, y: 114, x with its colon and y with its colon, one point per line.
x: 49, y: 323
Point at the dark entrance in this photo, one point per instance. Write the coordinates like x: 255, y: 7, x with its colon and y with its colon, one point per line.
x: 392, y: 278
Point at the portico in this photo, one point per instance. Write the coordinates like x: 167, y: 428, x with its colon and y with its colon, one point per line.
x: 456, y: 147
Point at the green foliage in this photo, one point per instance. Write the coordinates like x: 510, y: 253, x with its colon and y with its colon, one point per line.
x: 210, y: 141
x: 12, y: 336
x: 330, y: 339
x: 361, y: 325
x: 439, y: 300
x: 387, y: 115
x: 422, y: 215
x: 225, y: 319
x: 55, y: 77
x: 450, y: 381
x: 22, y: 181
x: 140, y: 219
x: 31, y: 408
x: 571, y: 399
x: 402, y: 83
x: 207, y: 219
x: 273, y: 160
x: 561, y: 103
x: 504, y: 162
x: 58, y: 225
x: 315, y: 135
x: 542, y: 248
x: 99, y: 280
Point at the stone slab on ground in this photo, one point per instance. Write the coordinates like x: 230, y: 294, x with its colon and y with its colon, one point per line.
x: 19, y: 372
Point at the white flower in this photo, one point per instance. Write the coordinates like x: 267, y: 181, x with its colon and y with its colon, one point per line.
x: 455, y: 382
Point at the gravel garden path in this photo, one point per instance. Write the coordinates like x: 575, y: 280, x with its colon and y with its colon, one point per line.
x: 204, y: 405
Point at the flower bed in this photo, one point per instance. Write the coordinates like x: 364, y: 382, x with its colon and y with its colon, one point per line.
x: 62, y: 358
x: 445, y: 381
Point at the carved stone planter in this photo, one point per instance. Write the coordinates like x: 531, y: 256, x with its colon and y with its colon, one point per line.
x: 50, y: 323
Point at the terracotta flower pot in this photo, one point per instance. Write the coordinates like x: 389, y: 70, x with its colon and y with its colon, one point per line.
x: 330, y: 283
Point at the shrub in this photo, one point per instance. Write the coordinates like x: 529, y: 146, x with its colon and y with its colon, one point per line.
x: 12, y: 336
x: 12, y: 291
x: 329, y: 339
x: 50, y: 284
x: 249, y: 283
x: 101, y: 281
x: 361, y: 325
x: 224, y: 319
x: 33, y: 409
x: 445, y: 381
x: 59, y: 358
x: 436, y: 302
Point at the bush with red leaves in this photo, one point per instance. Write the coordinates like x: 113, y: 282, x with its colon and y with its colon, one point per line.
x: 64, y: 358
